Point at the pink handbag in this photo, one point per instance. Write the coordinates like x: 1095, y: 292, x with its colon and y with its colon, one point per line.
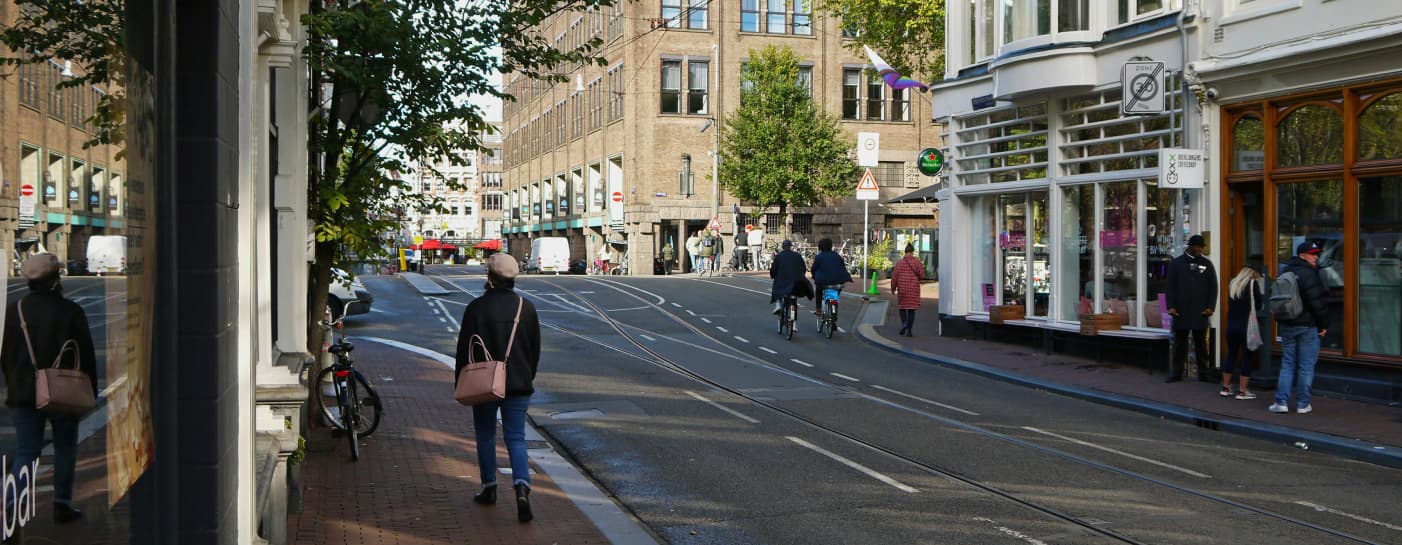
x: 485, y: 381
x: 57, y: 390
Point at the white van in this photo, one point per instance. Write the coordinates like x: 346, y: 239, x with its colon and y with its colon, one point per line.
x: 549, y: 254
x: 107, y: 254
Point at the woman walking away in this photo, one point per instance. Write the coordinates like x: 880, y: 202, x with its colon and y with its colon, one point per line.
x: 905, y: 283
x: 510, y: 330
x: 1245, y: 293
x: 38, y: 329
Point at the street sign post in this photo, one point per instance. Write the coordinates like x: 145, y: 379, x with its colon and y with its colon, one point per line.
x: 930, y: 162
x: 27, y: 203
x: 867, y: 191
x: 868, y: 148
x: 714, y: 225
x: 1143, y: 88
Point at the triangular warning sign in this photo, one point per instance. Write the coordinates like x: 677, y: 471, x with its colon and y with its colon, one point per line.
x: 868, y: 182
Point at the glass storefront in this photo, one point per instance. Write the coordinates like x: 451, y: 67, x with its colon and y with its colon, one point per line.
x: 1313, y: 211
x: 984, y: 263
x: 1077, y: 262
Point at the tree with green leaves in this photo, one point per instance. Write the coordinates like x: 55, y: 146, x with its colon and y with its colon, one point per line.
x: 393, y: 77
x: 908, y: 34
x: 778, y: 148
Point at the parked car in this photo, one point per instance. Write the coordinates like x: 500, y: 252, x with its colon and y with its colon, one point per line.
x: 346, y: 290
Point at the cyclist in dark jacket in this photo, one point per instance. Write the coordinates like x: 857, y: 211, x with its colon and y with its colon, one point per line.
x: 828, y: 271
x: 493, y: 317
x: 787, y: 271
x: 1300, y: 336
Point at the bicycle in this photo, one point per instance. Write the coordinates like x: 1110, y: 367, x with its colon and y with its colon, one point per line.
x: 338, y: 396
x: 827, y: 322
x: 788, y: 317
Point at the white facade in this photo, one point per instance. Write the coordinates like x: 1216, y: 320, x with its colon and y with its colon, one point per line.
x: 460, y: 215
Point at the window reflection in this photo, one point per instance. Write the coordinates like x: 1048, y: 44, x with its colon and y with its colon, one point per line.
x: 1077, y: 228
x: 1313, y: 211
x: 1012, y: 247
x: 1380, y: 265
x: 1161, y: 221
x: 1380, y: 129
x: 1310, y: 135
x: 983, y: 217
x: 1249, y: 144
x: 1118, y: 246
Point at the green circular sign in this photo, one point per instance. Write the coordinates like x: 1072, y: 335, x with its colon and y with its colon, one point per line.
x: 930, y: 162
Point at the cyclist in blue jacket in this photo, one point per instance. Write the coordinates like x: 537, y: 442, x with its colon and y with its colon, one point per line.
x: 829, y: 271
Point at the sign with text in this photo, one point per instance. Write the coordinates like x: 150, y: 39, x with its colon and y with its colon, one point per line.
x: 1142, y: 88
x: 27, y: 201
x: 1181, y: 168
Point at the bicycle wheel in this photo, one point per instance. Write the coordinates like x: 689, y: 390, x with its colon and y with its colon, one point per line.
x: 831, y: 318
x: 370, y: 407
x: 791, y: 317
x: 327, y: 402
x: 350, y: 416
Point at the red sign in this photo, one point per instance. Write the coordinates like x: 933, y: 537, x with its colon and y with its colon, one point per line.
x: 617, y: 196
x: 26, y: 190
x: 714, y: 225
x: 868, y: 182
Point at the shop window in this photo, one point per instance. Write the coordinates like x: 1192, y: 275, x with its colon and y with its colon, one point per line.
x: 1096, y: 138
x: 983, y: 226
x: 1313, y: 211
x: 1160, y: 224
x: 1077, y: 260
x: 1380, y: 129
x: 1380, y: 265
x: 1039, y: 246
x: 1310, y: 135
x: 1012, y: 247
x: 1249, y: 144
x: 1004, y: 145
x: 1119, y: 243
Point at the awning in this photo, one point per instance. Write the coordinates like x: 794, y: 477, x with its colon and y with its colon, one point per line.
x: 492, y: 245
x: 433, y: 244
x: 449, y: 248
x: 925, y: 194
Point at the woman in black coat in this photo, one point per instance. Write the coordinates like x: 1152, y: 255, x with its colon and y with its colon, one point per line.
x: 510, y: 329
x: 1243, y: 293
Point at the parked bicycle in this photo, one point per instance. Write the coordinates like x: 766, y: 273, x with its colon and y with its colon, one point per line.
x: 788, y: 317
x: 827, y: 322
x: 345, y: 398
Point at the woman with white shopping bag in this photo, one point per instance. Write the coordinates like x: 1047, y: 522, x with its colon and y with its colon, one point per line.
x: 500, y: 327
x: 1245, y: 295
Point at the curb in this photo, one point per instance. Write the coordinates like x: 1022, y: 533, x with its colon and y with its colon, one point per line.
x: 1383, y: 455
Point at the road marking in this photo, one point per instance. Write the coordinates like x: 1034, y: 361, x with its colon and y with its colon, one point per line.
x: 707, y: 320
x: 767, y: 350
x: 853, y: 465
x: 1119, y: 452
x: 1358, y: 518
x: 930, y: 401
x: 649, y: 339
x: 842, y: 376
x: 723, y: 330
x: 1011, y: 532
x: 450, y: 329
x: 623, y: 309
x: 840, y: 330
x: 732, y: 412
x: 801, y: 362
x: 741, y: 339
x: 442, y: 319
x: 435, y: 356
x: 676, y: 305
x: 435, y: 309
x: 688, y: 311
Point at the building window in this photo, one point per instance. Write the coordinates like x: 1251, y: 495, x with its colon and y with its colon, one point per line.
x: 596, y: 104
x: 671, y: 87
x: 55, y: 94
x: 1313, y: 211
x: 803, y: 224
x: 698, y: 17
x: 1004, y: 145
x: 1025, y: 19
x: 802, y: 18
x: 772, y: 222
x: 778, y: 15
x: 1380, y: 129
x: 805, y: 78
x: 1130, y: 10
x: 672, y: 12
x: 616, y: 92
x: 616, y: 21
x: 900, y: 105
x: 1312, y: 134
x: 578, y: 106
x: 1096, y: 138
x: 77, y: 107
x: 492, y: 201
x: 697, y: 80
x: 979, y: 30
x: 1249, y: 144
x: 561, y: 122
x: 29, y: 77
x: 749, y: 15
x: 851, y: 93
x: 876, y: 104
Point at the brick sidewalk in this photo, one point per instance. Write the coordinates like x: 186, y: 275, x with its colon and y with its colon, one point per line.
x: 414, y: 482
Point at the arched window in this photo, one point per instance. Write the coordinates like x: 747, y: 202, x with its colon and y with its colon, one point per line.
x: 1380, y: 129
x: 1310, y: 135
x: 1249, y: 144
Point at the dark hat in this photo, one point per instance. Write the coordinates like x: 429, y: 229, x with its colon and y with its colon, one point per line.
x: 786, y: 244
x: 40, y: 266
x: 1307, y: 247
x: 502, y: 266
x: 1196, y: 240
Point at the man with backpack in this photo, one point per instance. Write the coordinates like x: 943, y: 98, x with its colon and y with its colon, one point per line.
x: 708, y: 251
x: 1191, y: 298
x: 1297, y: 304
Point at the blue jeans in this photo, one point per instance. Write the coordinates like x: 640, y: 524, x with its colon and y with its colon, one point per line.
x: 29, y: 427
x: 1300, y: 350
x: 513, y: 430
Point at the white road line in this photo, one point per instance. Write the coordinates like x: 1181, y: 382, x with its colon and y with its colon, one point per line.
x: 649, y: 339
x: 623, y: 309
x: 688, y: 311
x: 1358, y: 518
x: 676, y: 305
x: 767, y: 350
x: 723, y: 330
x: 707, y: 320
x: 1029, y: 540
x: 435, y: 309
x: 801, y: 362
x: 840, y: 330
x: 728, y: 410
x: 450, y: 329
x: 1119, y: 452
x: 741, y: 339
x: 842, y: 376
x: 442, y: 319
x: 854, y: 465
x: 930, y: 401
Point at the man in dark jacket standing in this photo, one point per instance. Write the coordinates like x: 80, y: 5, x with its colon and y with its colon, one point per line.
x: 788, y: 274
x: 1192, y: 298
x: 1300, y: 336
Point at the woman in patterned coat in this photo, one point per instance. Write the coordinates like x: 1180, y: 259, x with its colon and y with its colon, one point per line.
x: 905, y: 283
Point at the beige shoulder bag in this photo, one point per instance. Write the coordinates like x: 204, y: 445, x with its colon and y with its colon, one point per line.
x: 57, y: 390
x: 485, y: 381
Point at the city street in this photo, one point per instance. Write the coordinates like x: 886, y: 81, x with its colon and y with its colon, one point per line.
x: 677, y: 395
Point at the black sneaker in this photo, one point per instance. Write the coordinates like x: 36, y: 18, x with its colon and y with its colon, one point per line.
x: 523, y: 503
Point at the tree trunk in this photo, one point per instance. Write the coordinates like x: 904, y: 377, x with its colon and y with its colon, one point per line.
x: 784, y: 228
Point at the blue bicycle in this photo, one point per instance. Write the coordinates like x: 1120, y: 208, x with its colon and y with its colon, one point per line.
x: 827, y: 322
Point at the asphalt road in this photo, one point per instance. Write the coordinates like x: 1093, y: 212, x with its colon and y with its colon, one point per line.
x: 677, y: 395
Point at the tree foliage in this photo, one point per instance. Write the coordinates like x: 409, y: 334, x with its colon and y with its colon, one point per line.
x: 393, y: 77
x: 908, y: 34
x: 778, y: 148
x: 89, y: 34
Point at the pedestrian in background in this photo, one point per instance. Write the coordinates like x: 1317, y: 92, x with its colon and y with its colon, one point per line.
x: 905, y: 283
x: 693, y: 250
x: 667, y: 254
x: 1244, y: 294
x: 717, y: 250
x: 503, y: 319
x: 604, y: 257
x: 1300, y: 336
x: 1191, y: 296
x: 708, y: 251
x: 41, y: 323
